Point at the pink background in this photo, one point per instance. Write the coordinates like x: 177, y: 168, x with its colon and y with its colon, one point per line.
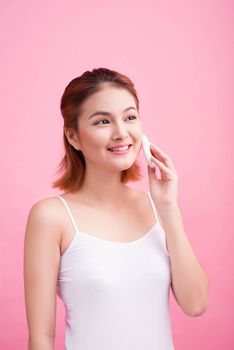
x: 179, y: 54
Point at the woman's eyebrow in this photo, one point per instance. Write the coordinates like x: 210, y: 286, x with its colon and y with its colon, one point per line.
x: 107, y: 113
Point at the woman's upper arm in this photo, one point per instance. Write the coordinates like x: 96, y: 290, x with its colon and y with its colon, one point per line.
x: 41, y: 266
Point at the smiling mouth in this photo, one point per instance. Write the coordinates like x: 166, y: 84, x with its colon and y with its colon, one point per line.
x: 120, y: 150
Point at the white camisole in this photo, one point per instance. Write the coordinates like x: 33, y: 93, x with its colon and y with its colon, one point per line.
x: 116, y: 294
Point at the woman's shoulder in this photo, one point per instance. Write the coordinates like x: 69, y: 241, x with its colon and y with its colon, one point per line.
x: 46, y: 210
x: 138, y: 199
x: 138, y: 194
x: 46, y: 204
x: 43, y: 233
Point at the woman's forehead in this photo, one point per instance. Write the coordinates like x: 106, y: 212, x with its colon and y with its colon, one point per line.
x: 109, y: 100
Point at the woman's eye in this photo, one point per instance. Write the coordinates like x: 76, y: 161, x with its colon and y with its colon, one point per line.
x: 100, y: 121
x: 133, y: 116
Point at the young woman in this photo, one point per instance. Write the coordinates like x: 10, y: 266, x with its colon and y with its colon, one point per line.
x: 110, y: 252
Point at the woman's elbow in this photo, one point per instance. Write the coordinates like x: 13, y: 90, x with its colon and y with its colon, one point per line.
x: 197, y: 309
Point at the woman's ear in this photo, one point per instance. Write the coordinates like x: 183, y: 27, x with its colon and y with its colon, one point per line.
x: 72, y: 137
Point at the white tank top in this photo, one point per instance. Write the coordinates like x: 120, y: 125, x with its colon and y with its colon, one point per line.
x: 116, y: 294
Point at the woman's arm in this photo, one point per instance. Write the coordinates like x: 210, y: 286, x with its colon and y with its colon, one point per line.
x: 41, y: 266
x: 189, y: 280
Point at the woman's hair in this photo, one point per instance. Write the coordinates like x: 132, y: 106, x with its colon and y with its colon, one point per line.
x: 72, y: 166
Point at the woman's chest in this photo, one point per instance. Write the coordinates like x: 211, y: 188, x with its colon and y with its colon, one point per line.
x: 129, y: 223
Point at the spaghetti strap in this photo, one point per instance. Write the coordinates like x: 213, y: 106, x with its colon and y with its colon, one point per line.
x: 69, y: 213
x: 153, y: 205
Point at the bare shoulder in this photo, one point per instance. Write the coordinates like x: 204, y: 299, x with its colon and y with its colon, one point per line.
x: 143, y: 197
x: 137, y: 193
x: 46, y: 214
x: 47, y: 207
x: 139, y: 200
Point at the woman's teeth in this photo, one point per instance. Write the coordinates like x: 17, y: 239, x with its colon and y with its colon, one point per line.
x: 119, y: 148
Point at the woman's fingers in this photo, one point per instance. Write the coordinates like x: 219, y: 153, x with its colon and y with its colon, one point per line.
x: 157, y: 152
x: 159, y: 164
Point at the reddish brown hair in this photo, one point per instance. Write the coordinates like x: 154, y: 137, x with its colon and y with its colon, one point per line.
x: 72, y: 166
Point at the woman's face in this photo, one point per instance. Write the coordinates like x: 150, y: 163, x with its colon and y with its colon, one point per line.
x: 117, y: 124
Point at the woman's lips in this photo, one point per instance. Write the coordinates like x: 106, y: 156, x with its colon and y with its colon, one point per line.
x: 120, y: 152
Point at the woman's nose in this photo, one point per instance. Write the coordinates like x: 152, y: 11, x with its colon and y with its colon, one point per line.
x: 120, y: 130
